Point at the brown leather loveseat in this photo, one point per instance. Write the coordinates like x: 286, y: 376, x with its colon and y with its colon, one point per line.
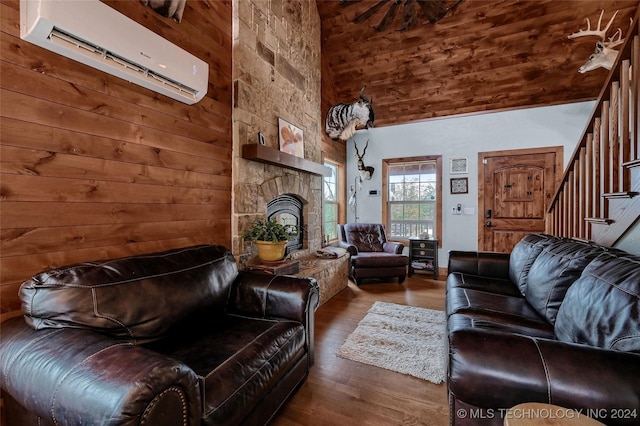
x: 179, y: 337
x: 555, y: 321
x: 372, y: 256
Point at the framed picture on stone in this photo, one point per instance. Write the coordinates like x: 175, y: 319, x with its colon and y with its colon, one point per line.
x: 291, y: 138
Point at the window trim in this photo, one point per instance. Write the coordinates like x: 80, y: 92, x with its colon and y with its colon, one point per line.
x: 340, y: 196
x: 386, y: 162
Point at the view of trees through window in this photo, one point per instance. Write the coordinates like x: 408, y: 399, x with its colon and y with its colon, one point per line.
x: 330, y: 203
x: 412, y: 199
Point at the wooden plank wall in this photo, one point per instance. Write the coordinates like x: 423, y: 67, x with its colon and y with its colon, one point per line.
x: 95, y: 167
x: 484, y: 56
x: 335, y: 151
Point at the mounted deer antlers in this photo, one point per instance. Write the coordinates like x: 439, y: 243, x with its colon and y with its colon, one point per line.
x: 604, y: 56
x: 365, y: 171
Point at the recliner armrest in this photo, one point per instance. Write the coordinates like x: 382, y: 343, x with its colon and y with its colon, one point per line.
x: 353, y: 251
x: 484, y: 264
x: 78, y: 376
x: 393, y: 247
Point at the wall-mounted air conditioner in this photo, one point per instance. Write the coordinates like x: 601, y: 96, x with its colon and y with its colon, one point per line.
x: 93, y: 33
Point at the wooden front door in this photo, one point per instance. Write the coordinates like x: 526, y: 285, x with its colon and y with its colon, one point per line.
x: 514, y: 192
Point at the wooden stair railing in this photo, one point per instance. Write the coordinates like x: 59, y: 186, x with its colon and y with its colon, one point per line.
x: 597, y: 197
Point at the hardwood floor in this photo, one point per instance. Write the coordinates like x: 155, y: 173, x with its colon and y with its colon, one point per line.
x: 343, y: 392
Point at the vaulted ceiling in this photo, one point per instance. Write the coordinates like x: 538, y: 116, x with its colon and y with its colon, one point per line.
x: 483, y: 55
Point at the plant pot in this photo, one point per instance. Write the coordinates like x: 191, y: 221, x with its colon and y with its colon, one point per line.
x: 270, y: 251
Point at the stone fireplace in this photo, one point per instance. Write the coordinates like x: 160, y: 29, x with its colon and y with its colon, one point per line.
x: 254, y: 198
x: 252, y: 201
x: 276, y: 74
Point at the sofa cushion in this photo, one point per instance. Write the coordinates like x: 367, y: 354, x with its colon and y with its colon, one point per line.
x: 238, y: 359
x: 523, y: 255
x: 484, y: 264
x: 486, y: 284
x: 501, y: 307
x: 136, y: 298
x: 554, y: 270
x: 602, y: 307
x: 457, y: 322
x: 365, y: 236
x: 378, y: 260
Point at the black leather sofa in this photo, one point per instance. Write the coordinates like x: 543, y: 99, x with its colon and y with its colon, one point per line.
x: 179, y: 337
x: 555, y: 321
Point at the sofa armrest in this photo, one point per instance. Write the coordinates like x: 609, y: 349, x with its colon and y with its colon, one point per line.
x: 393, y: 247
x: 485, y: 264
x: 274, y: 296
x: 77, y: 376
x: 277, y: 296
x: 499, y: 370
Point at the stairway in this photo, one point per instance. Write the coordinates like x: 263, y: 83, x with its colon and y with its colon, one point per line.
x: 598, y: 198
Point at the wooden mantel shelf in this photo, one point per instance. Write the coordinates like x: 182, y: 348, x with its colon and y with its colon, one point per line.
x: 264, y: 154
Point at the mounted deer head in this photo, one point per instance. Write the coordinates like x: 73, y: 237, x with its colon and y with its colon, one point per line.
x: 365, y: 171
x: 604, y: 56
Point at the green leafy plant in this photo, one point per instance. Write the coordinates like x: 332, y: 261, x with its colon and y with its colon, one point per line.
x: 268, y: 230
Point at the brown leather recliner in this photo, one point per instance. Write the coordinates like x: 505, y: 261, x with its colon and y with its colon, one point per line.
x: 372, y: 256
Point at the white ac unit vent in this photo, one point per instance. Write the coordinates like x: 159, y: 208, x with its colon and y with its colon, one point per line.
x: 93, y: 33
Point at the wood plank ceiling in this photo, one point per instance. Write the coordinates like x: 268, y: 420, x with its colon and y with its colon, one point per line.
x: 484, y: 55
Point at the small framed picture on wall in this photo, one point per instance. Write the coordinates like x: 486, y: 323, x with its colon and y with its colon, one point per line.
x: 459, y: 166
x: 459, y: 185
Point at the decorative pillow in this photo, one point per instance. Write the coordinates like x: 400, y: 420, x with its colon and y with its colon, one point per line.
x: 136, y: 298
x: 523, y: 255
x: 602, y: 307
x: 554, y: 270
x: 365, y: 236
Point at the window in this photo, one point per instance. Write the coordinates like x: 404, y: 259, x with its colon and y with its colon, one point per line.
x: 413, y: 197
x: 330, y: 202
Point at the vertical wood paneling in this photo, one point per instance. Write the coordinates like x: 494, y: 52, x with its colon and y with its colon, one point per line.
x: 635, y: 97
x: 564, y: 229
x: 589, y: 184
x: 332, y: 150
x: 605, y: 158
x: 597, y: 174
x: 571, y: 203
x: 625, y: 148
x: 582, y: 190
x: 93, y: 166
x: 614, y: 138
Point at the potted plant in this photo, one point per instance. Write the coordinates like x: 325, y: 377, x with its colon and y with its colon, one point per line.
x: 270, y: 238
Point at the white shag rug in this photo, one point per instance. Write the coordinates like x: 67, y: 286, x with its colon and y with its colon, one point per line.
x: 400, y: 338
